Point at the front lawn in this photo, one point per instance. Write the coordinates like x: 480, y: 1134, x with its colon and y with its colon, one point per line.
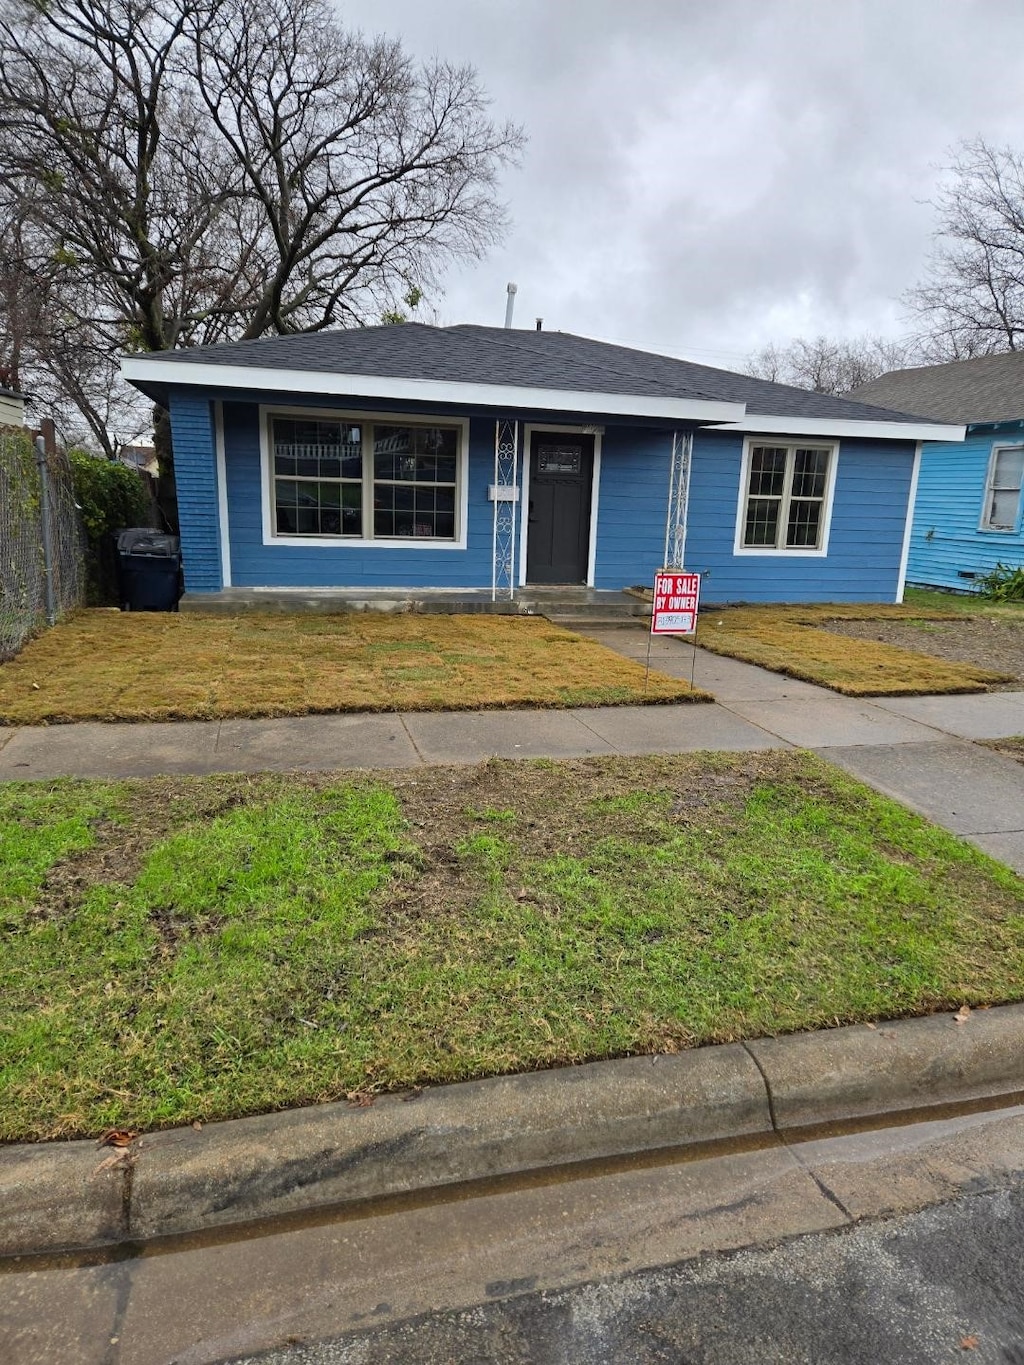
x: 105, y: 665
x: 798, y: 641
x: 197, y: 948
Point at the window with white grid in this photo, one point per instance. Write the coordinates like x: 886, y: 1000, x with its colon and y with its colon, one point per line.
x: 364, y: 480
x: 785, y: 499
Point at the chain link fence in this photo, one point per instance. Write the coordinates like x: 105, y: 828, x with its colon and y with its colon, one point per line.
x: 23, y: 595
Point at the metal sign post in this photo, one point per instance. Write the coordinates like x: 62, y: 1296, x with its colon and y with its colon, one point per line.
x: 674, y: 610
x: 47, y: 534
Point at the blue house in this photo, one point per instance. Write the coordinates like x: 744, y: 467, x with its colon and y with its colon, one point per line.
x: 969, y: 513
x: 474, y: 458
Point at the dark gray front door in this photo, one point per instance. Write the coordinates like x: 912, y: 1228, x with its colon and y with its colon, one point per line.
x: 558, y: 536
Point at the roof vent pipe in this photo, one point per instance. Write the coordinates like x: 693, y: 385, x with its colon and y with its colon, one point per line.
x: 540, y: 324
x: 510, y: 304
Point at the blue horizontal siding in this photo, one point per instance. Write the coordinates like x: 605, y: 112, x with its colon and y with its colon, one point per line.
x: 862, y: 565
x: 632, y: 502
x: 865, y: 545
x: 946, y: 540
x: 195, y: 475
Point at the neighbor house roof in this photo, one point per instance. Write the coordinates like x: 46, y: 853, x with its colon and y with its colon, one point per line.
x: 495, y: 366
x: 989, y: 388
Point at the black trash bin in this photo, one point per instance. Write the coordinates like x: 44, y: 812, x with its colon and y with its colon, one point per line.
x: 148, y: 570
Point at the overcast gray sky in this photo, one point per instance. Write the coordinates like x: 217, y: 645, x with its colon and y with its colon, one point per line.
x: 704, y: 176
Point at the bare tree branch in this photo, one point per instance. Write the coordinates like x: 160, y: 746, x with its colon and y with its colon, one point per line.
x: 971, y: 301
x: 830, y: 365
x: 202, y: 170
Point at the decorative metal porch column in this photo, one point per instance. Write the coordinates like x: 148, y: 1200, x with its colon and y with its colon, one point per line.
x: 504, y: 494
x: 678, y: 500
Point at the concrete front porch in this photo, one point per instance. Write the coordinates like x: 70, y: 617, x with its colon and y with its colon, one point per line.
x: 568, y: 606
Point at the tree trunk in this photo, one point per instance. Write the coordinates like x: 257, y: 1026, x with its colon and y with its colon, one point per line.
x: 166, y: 492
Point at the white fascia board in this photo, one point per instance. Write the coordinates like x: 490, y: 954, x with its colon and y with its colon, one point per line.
x: 824, y: 426
x: 137, y: 368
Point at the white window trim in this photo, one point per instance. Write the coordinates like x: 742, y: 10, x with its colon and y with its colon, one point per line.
x: 524, y: 498
x: 763, y: 552
x: 270, y: 536
x: 983, y: 524
x: 908, y: 526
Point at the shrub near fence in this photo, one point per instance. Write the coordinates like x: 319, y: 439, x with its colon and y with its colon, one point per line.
x: 22, y: 572
x: 111, y: 497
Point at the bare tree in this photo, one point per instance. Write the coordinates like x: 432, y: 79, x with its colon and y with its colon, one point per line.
x: 971, y: 300
x: 208, y: 169
x: 46, y: 348
x: 829, y: 364
x: 365, y: 171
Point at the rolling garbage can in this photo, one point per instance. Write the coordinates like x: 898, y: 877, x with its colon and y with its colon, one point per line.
x: 148, y: 570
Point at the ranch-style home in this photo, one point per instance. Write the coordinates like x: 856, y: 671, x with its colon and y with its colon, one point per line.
x: 422, y: 458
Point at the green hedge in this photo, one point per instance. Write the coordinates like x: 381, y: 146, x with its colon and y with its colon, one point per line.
x: 111, y: 497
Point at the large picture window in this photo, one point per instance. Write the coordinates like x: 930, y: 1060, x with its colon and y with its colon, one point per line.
x: 785, y: 499
x: 364, y: 480
x: 1002, y: 491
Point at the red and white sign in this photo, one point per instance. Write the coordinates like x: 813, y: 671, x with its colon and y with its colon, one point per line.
x: 676, y: 596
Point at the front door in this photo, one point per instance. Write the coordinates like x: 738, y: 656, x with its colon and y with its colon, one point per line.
x: 558, y: 534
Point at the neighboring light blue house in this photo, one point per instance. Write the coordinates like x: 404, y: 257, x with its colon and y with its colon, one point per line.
x: 403, y: 457
x: 969, y: 513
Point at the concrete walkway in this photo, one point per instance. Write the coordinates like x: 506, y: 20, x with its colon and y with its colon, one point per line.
x: 916, y: 749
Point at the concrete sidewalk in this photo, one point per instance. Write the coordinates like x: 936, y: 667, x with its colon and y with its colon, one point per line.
x: 917, y: 749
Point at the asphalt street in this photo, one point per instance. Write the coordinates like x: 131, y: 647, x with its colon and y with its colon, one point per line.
x: 895, y: 1244
x: 945, y: 1284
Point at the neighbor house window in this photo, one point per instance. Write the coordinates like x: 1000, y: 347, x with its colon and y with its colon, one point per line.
x: 785, y: 496
x: 1002, y: 492
x: 364, y: 480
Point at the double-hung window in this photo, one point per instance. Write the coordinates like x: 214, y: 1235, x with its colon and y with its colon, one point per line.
x: 364, y: 480
x: 785, y: 496
x: 1002, y: 489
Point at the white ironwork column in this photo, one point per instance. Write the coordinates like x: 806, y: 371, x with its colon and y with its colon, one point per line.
x: 678, y: 500
x: 505, y: 494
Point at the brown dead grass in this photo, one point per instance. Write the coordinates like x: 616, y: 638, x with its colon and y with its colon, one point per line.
x: 790, y: 640
x: 109, y: 666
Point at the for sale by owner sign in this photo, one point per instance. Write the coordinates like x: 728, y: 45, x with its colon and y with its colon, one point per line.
x: 676, y: 596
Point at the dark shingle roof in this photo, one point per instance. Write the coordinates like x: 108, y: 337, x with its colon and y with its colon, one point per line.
x: 762, y: 397
x: 549, y: 360
x: 989, y: 388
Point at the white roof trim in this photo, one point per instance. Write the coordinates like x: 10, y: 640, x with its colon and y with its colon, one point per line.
x: 139, y: 369
x: 838, y: 426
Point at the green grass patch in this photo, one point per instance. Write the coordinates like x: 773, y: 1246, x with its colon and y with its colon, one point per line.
x: 199, y: 948
x: 962, y: 603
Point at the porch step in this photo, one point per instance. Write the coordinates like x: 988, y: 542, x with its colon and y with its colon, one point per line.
x: 596, y: 621
x: 607, y: 606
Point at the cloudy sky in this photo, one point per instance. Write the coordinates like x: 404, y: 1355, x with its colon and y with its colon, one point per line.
x: 702, y: 178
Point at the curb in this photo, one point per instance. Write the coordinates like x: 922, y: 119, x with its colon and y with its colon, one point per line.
x: 72, y: 1196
